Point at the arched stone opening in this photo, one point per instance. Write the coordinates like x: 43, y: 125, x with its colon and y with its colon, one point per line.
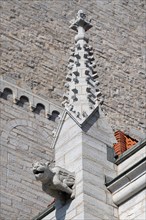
x: 7, y: 94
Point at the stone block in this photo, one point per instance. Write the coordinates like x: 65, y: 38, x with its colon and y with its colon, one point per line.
x: 91, y: 211
x: 71, y: 214
x: 66, y: 137
x: 9, y: 209
x: 94, y: 168
x: 93, y: 191
x: 80, y: 216
x: 76, y: 202
x: 22, y: 207
x: 74, y: 155
x: 79, y: 176
x: 97, y: 144
x: 118, y: 60
x: 80, y: 208
x: 67, y: 147
x: 96, y: 180
x: 79, y: 187
x: 101, y: 206
x: 93, y: 154
x: 5, y: 200
x: 141, y: 216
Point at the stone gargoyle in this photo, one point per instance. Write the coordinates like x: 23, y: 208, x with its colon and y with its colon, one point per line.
x: 56, y: 181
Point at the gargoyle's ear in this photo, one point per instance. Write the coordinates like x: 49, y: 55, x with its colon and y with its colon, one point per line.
x: 47, y: 163
x: 34, y: 162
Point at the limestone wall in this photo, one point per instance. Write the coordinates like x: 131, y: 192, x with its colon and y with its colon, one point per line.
x: 25, y: 137
x: 129, y: 187
x: 51, y: 216
x: 135, y: 208
x: 84, y: 151
x: 35, y: 50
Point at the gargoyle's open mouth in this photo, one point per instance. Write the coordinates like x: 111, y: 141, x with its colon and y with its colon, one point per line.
x: 37, y: 171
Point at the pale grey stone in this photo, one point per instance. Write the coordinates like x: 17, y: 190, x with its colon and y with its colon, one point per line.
x: 32, y: 99
x: 55, y: 180
x: 81, y: 98
x: 92, y: 191
x: 132, y: 160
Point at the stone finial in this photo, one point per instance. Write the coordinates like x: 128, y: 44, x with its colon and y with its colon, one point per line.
x: 80, y: 21
x: 82, y: 93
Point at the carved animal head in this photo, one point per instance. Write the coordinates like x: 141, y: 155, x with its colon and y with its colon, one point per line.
x: 42, y: 171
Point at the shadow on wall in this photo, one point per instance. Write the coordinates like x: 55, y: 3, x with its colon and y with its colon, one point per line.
x: 54, y: 116
x: 62, y: 209
x: 40, y: 109
x: 23, y: 102
x: 7, y: 94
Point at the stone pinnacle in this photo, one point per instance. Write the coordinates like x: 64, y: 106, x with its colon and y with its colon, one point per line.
x: 82, y: 95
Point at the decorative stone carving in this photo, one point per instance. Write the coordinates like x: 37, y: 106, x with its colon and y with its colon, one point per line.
x: 82, y: 95
x: 56, y: 181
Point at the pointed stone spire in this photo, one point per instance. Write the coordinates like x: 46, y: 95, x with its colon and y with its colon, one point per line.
x: 82, y: 96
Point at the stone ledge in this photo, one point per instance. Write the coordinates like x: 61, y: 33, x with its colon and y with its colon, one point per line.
x: 131, y: 151
x: 129, y: 183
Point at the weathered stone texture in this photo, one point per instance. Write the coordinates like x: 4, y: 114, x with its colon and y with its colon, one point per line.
x: 35, y: 50
x: 138, y: 202
x: 25, y: 138
x: 83, y: 151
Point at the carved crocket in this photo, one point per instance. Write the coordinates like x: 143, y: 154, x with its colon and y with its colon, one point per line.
x: 56, y: 181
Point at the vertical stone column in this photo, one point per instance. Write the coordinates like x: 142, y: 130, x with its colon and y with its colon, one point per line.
x: 68, y: 154
x: 83, y: 136
x: 84, y: 151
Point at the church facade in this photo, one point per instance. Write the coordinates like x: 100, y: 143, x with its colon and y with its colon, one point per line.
x: 98, y: 134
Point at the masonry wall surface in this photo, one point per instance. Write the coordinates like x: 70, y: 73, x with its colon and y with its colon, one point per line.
x: 84, y: 151
x: 50, y: 217
x: 35, y: 49
x: 134, y: 208
x: 131, y: 161
x: 25, y: 138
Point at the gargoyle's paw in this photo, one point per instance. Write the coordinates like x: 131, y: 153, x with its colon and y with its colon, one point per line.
x: 72, y: 196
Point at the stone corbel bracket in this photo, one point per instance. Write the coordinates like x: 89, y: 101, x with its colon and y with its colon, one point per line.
x: 33, y: 99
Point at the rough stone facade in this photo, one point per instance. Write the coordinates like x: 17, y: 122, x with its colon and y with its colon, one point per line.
x: 35, y: 50
x: 25, y: 137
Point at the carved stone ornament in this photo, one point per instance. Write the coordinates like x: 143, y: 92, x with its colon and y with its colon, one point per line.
x: 82, y: 95
x: 57, y: 182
